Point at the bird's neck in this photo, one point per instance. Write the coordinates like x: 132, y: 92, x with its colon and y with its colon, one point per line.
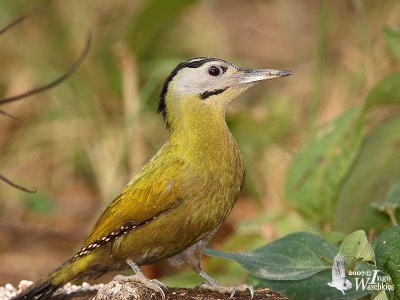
x: 199, y: 130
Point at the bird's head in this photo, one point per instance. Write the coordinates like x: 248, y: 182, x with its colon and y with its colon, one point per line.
x: 207, y: 85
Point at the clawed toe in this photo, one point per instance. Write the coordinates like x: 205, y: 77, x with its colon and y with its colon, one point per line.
x: 243, y: 288
x: 157, y: 286
x: 160, y: 284
x: 152, y: 284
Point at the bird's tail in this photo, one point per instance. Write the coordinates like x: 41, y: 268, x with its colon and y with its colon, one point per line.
x: 44, y: 288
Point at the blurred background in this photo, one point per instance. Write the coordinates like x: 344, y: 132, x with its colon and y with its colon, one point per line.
x: 80, y: 143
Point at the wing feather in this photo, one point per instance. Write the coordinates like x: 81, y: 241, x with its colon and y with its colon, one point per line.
x: 151, y: 192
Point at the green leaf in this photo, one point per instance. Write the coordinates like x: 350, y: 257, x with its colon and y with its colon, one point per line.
x: 318, y: 169
x: 314, y: 287
x: 392, y: 38
x: 295, y: 256
x: 392, y: 200
x: 356, y: 245
x: 387, y: 253
x: 391, y: 203
x: 376, y: 171
x: 385, y: 92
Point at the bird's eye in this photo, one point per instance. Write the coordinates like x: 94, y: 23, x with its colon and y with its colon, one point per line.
x: 215, y: 71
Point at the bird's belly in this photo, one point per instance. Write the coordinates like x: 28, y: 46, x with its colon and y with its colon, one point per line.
x: 192, y: 220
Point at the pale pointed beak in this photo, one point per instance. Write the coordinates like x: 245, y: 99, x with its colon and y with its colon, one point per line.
x: 252, y: 76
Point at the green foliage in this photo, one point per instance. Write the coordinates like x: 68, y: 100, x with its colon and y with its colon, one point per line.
x: 356, y: 246
x: 344, y: 171
x: 330, y: 182
x: 390, y: 204
x: 393, y: 198
x: 385, y: 92
x: 318, y: 169
x: 377, y: 169
x: 392, y: 38
x: 387, y: 251
x: 296, y: 265
x: 324, y: 165
x: 314, y: 287
x: 299, y: 252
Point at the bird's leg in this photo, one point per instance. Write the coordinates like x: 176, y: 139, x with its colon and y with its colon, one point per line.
x: 191, y: 258
x: 152, y: 284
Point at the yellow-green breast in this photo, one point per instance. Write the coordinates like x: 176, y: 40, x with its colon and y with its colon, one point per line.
x: 201, y: 163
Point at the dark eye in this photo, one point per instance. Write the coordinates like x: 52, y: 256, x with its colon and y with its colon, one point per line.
x: 215, y: 71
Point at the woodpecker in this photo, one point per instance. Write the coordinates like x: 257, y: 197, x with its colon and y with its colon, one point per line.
x: 180, y: 198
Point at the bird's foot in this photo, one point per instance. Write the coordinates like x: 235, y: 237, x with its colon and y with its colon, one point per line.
x: 214, y: 285
x: 152, y: 284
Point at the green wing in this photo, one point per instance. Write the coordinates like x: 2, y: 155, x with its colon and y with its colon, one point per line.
x: 152, y: 191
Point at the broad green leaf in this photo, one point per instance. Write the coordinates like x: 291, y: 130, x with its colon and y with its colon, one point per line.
x: 386, y: 91
x: 387, y: 253
x: 376, y: 171
x: 295, y: 256
x: 356, y: 246
x: 318, y: 169
x: 312, y: 288
x: 392, y: 38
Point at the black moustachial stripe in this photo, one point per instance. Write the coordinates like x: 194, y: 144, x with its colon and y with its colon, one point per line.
x: 207, y: 94
x: 191, y: 63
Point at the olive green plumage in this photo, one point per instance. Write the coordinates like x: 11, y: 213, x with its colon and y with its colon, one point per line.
x: 174, y: 205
